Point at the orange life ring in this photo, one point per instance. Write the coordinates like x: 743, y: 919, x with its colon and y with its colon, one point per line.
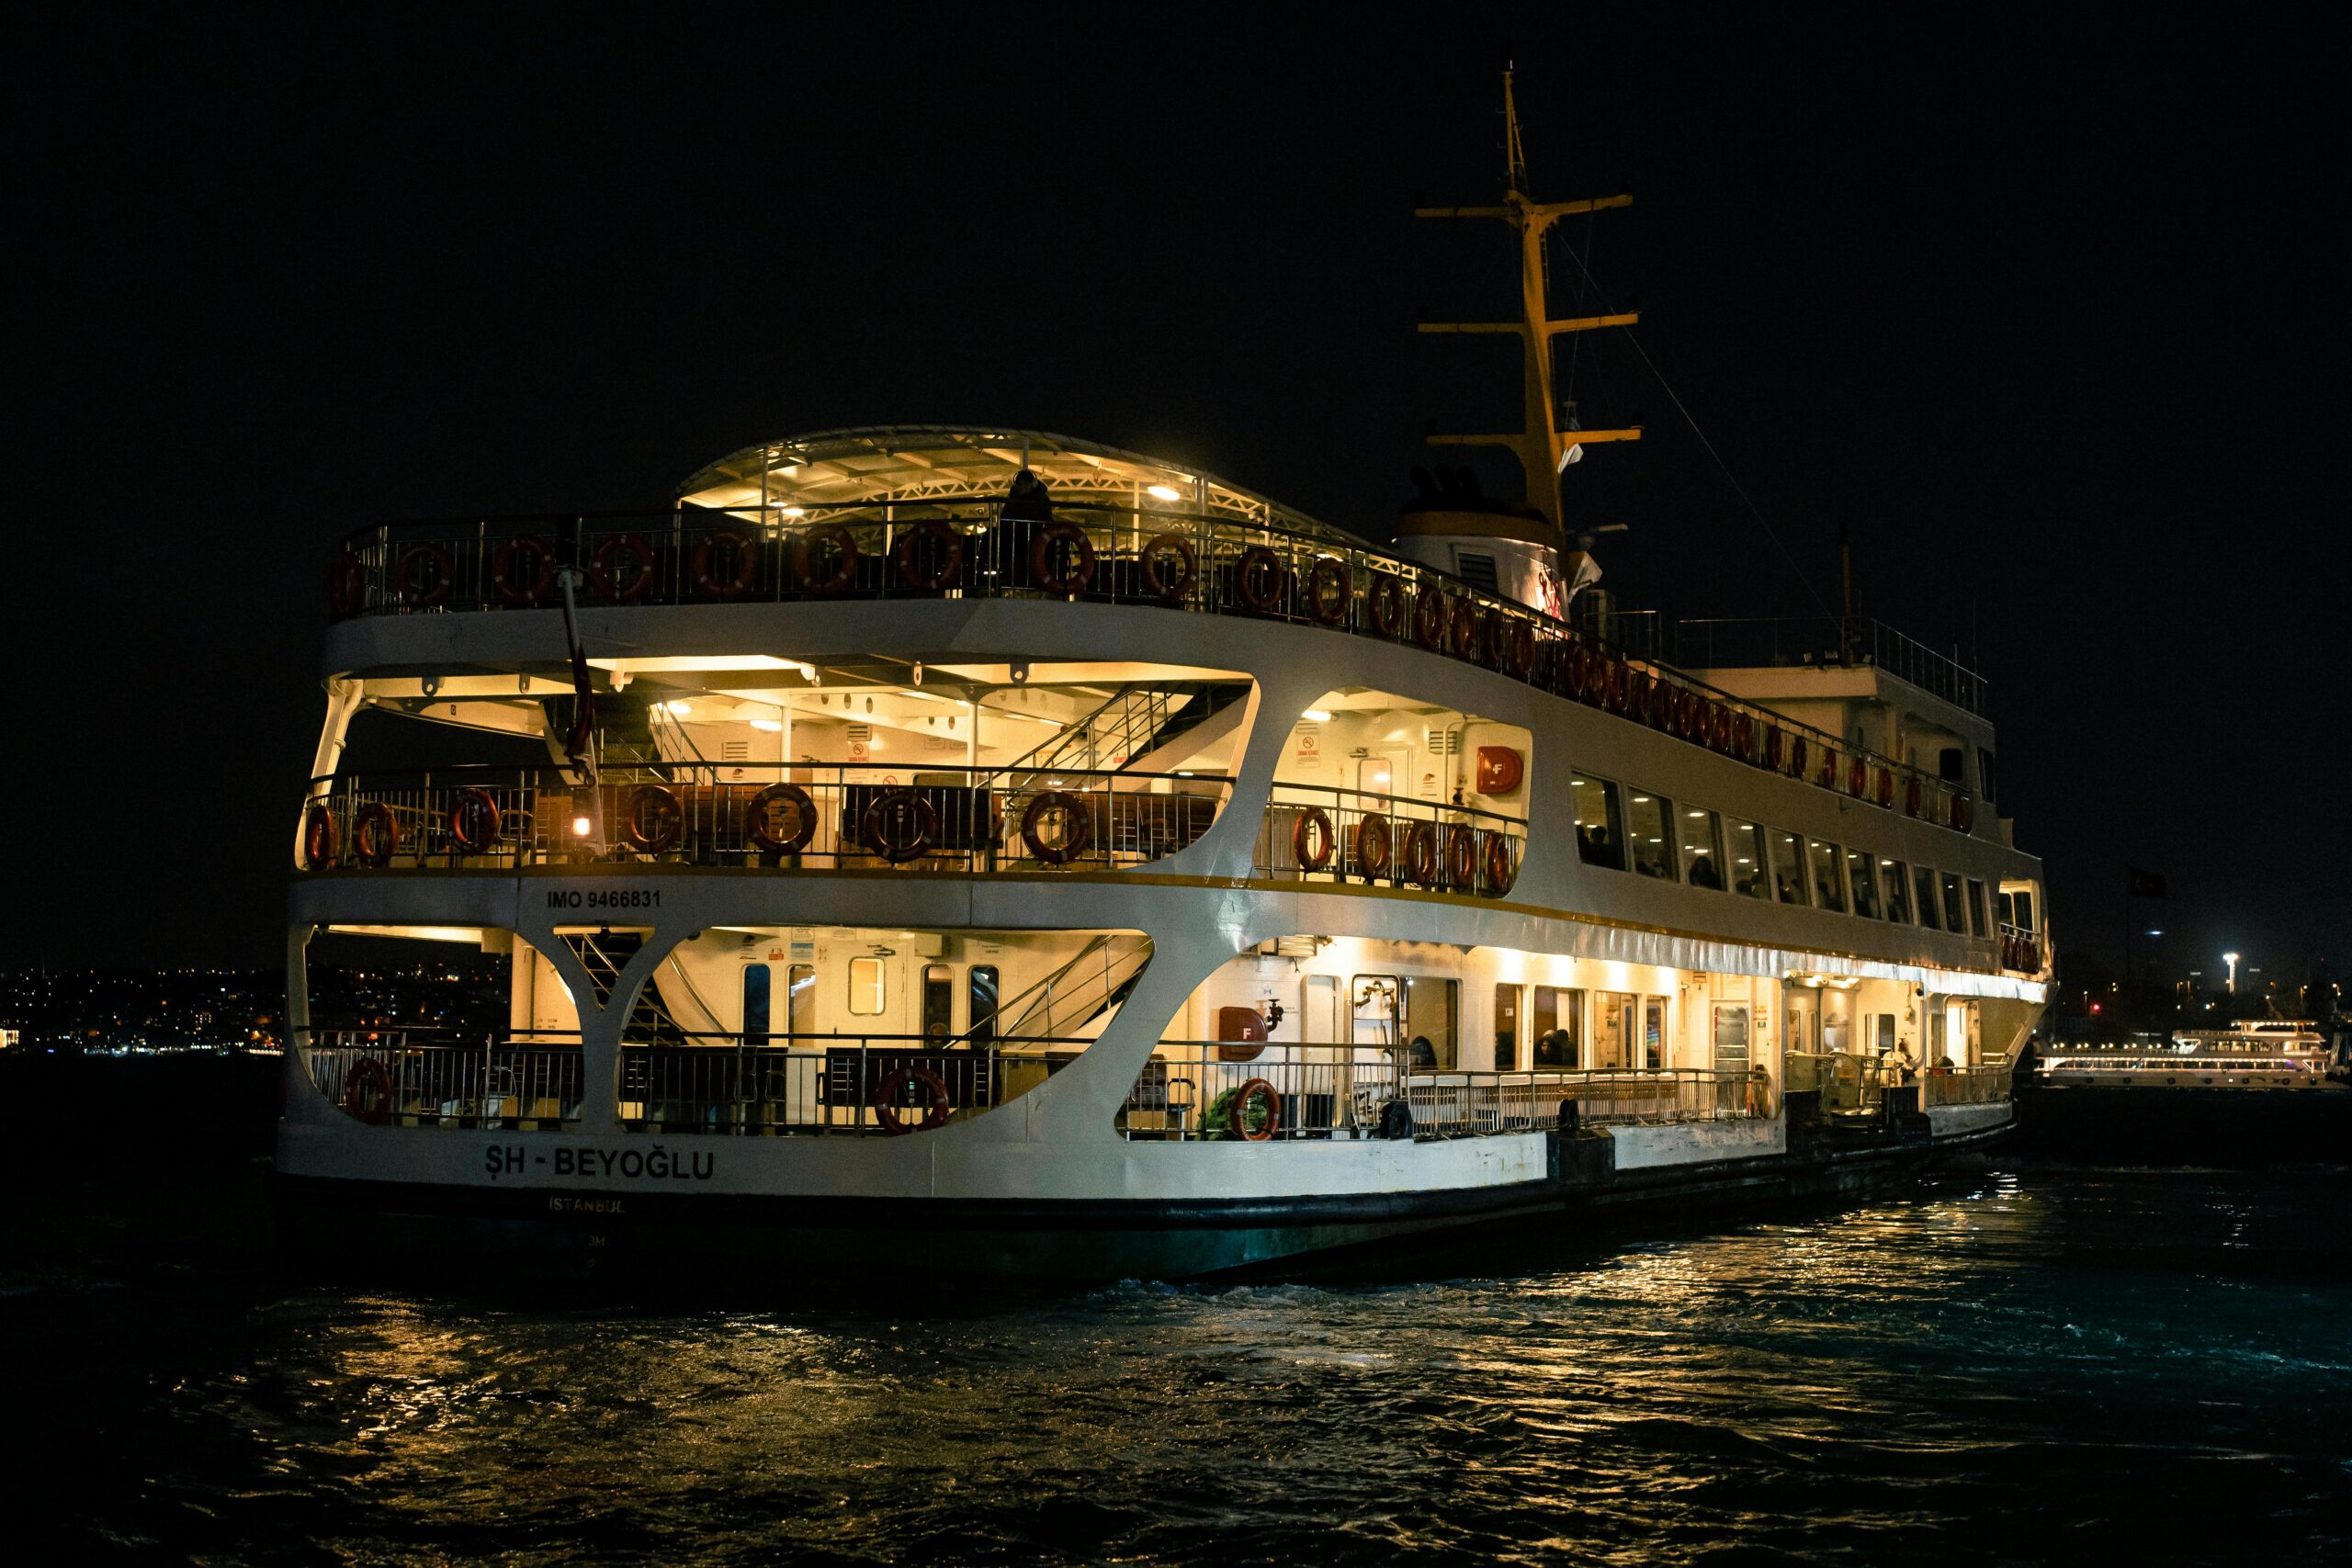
x: 639, y: 551
x: 1257, y: 577
x: 888, y: 810
x: 1914, y: 796
x: 1500, y: 871
x: 1421, y: 853
x: 1467, y: 623
x: 844, y: 568
x: 947, y: 550
x: 755, y: 820
x: 474, y: 819
x: 746, y: 563
x: 1373, y: 846
x: 1160, y: 545
x: 936, y: 1088
x: 510, y: 586
x: 367, y: 1090
x: 321, y: 836
x: 1081, y: 556
x: 1385, y: 597
x: 1312, y: 839
x: 375, y: 834
x: 1329, y: 573
x: 1774, y: 754
x: 1621, y: 686
x: 1797, y: 756
x: 1077, y: 830
x: 1883, y: 787
x: 1743, y: 736
x: 1858, y: 773
x: 347, y: 586
x: 1430, y: 617
x: 652, y: 817
x: 444, y: 575
x: 1256, y: 1089
x: 1962, y: 812
x: 1523, y: 648
x: 1461, y: 856
x: 1575, y: 667
x: 1657, y: 707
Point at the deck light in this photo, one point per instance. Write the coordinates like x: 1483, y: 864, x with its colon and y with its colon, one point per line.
x: 580, y: 827
x: 1318, y: 714
x: 772, y: 726
x: 1165, y: 493
x: 679, y: 710
x: 796, y: 512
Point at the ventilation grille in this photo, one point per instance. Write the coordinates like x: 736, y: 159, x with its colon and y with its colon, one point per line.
x: 734, y: 751
x: 1443, y: 742
x: 859, y: 734
x: 1477, y: 571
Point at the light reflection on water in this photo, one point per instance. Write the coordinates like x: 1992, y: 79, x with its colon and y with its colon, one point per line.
x: 1990, y: 1369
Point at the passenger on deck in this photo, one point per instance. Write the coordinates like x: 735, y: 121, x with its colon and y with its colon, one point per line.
x: 1420, y: 1056
x: 1703, y: 872
x: 1027, y: 508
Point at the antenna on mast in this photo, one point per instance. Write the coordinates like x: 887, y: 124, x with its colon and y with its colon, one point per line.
x: 1548, y: 439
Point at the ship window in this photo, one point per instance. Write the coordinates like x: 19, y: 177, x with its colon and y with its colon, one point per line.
x: 1601, y: 823
x: 1703, y: 848
x: 1925, y: 881
x: 755, y: 1006
x: 1947, y: 763
x: 938, y: 1001
x: 1955, y: 918
x: 979, y: 1003
x: 865, y: 987
x: 1558, y: 1025
x: 1897, y: 879
x: 1653, y: 856
x: 800, y: 998
x: 1865, y: 885
x: 1829, y: 885
x: 1616, y: 1025
x: 1507, y: 1000
x: 1787, y: 866
x: 1428, y: 1023
x: 1976, y: 906
x: 1748, y: 876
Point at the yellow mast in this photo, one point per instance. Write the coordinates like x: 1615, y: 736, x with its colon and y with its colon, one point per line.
x: 1542, y: 445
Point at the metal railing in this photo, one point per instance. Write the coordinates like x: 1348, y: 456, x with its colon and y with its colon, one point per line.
x: 1227, y: 1091
x: 826, y: 1086
x: 425, y: 1078
x: 1328, y: 834
x: 1166, y: 559
x: 1847, y: 1080
x: 1986, y: 1085
x: 1828, y: 641
x: 948, y: 818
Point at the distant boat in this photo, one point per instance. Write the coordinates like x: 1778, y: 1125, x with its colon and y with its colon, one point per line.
x: 2265, y: 1092
x: 973, y: 849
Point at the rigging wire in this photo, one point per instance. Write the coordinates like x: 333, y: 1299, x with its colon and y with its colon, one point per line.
x: 1688, y: 418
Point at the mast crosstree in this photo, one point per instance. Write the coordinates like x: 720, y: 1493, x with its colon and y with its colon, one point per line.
x: 1547, y: 441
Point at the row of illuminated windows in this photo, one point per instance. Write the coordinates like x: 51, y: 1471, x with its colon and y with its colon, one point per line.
x: 1627, y: 1030
x: 1637, y: 831
x: 868, y: 994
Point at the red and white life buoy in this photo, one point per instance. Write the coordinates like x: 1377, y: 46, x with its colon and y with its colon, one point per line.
x: 375, y: 835
x: 474, y: 819
x: 1161, y: 584
x: 804, y: 819
x: 889, y: 814
x: 1078, y: 826
x: 421, y: 596
x: 886, y: 1097
x: 1331, y: 590
x: 1461, y: 856
x: 1312, y: 839
x: 652, y: 817
x: 1064, y: 540
x: 1501, y: 870
x: 1258, y: 1089
x: 1374, y: 848
x: 709, y: 580
x: 604, y: 568
x: 515, y: 583
x: 929, y: 556
x: 1384, y: 597
x: 812, y: 544
x: 1421, y: 854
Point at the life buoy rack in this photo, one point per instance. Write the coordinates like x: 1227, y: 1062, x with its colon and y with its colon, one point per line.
x: 444, y: 575
x: 755, y: 820
x: 1161, y: 546
x: 1384, y: 597
x: 807, y: 550
x: 1421, y: 854
x: 708, y: 579
x: 1312, y: 839
x: 1257, y: 576
x: 375, y: 835
x: 321, y: 838
x: 1078, y: 826
x: 601, y: 568
x: 367, y: 1090
x: 1373, y: 846
x: 1081, y: 571
x: 1430, y: 617
x: 347, y: 586
x: 1466, y: 624
x: 474, y: 819
x: 1256, y: 1089
x: 515, y: 587
x: 1461, y: 856
x: 1500, y: 871
x: 1962, y: 813
x: 890, y: 808
x: 652, y: 817
x: 933, y: 537
x: 885, y: 1096
x: 1331, y: 590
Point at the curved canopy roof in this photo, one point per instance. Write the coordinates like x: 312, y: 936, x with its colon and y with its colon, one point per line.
x: 934, y: 463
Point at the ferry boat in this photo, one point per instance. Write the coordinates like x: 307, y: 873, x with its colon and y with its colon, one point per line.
x: 2262, y: 1091
x: 980, y: 850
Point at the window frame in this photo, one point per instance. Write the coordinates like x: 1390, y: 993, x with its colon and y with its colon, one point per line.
x: 881, y: 985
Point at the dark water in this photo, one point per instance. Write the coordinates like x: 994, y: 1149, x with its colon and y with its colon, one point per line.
x: 2004, y: 1368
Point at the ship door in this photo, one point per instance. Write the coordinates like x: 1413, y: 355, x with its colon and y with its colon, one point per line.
x: 1323, y: 1033
x: 1803, y: 1035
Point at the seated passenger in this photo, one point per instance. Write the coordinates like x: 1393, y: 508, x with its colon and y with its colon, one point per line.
x: 1703, y: 873
x: 1420, y: 1056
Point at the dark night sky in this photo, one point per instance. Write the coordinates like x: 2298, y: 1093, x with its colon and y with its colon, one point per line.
x: 2047, y: 308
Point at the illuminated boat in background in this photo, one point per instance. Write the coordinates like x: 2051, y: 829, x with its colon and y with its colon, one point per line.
x: 2264, y: 1091
x: 983, y: 850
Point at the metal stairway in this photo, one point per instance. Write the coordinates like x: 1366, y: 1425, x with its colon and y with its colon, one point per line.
x: 1078, y: 992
